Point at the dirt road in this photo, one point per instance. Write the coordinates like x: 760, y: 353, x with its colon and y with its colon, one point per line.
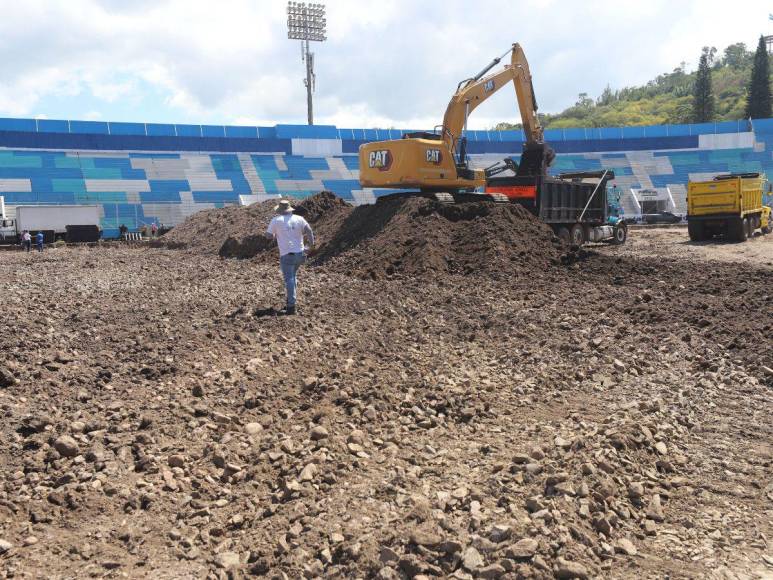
x: 674, y: 243
x: 607, y: 419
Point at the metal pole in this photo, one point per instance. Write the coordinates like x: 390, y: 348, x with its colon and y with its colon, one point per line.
x: 309, y: 73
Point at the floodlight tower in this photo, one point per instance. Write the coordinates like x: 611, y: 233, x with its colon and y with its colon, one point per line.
x: 306, y: 22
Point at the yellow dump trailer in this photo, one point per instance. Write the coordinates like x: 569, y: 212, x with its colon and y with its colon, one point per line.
x: 728, y: 205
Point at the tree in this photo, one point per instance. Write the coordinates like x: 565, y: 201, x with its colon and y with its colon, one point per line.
x: 758, y: 96
x: 703, y: 97
x: 736, y: 55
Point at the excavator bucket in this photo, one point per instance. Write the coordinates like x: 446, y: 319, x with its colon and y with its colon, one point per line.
x: 535, y: 159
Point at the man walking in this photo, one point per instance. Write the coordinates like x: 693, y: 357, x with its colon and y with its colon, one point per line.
x: 39, y: 241
x: 288, y: 231
x: 26, y: 240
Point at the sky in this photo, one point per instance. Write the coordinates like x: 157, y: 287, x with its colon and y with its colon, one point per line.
x: 386, y: 63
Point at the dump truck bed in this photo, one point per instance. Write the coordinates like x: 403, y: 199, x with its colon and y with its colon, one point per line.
x: 726, y: 196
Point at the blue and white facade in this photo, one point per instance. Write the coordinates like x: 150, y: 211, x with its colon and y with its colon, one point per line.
x: 140, y: 173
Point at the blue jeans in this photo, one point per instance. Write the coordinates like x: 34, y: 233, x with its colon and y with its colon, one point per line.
x: 289, y: 263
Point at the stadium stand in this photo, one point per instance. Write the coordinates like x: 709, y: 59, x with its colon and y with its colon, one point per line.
x: 140, y: 173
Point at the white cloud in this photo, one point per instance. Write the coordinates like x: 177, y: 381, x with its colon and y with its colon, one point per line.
x: 386, y: 63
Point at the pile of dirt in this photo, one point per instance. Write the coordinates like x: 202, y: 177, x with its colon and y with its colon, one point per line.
x: 205, y: 232
x: 410, y: 236
x: 417, y: 236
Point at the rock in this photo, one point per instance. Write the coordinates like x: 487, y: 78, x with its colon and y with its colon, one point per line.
x: 6, y: 378
x: 425, y: 538
x: 388, y: 555
x: 566, y: 570
x: 227, y: 560
x: 472, y: 560
x: 318, y: 433
x: 66, y: 446
x: 253, y: 428
x: 523, y: 549
x: 500, y: 533
x: 30, y: 541
x: 636, y: 490
x: 176, y: 460
x: 650, y: 528
x: 655, y: 509
x: 519, y: 458
x: 197, y: 391
x: 602, y: 525
x: 308, y: 473
x: 491, y: 571
x: 5, y: 546
x: 625, y: 546
x: 661, y: 448
x: 467, y: 414
x: 565, y: 487
x: 619, y: 365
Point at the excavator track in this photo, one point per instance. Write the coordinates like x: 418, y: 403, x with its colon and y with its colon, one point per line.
x: 447, y: 197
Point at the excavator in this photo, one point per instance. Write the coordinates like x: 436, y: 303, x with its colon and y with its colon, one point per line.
x: 435, y: 165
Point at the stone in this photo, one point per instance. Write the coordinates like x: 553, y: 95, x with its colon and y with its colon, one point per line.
x: 619, y: 365
x: 318, y: 433
x: 308, y: 473
x: 661, y: 448
x: 425, y: 538
x: 655, y: 509
x: 197, y: 391
x: 602, y: 525
x: 625, y: 546
x: 388, y: 555
x: 66, y: 446
x: 176, y: 460
x: 472, y: 560
x: 635, y: 490
x: 566, y: 570
x: 519, y: 458
x: 5, y: 546
x: 523, y: 549
x: 491, y: 571
x: 227, y: 560
x: 30, y: 541
x: 500, y: 533
x: 253, y: 428
x: 650, y: 528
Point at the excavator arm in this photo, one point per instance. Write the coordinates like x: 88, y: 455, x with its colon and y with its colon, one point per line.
x: 474, y: 91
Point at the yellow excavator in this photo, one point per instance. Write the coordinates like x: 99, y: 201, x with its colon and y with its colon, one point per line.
x: 435, y: 163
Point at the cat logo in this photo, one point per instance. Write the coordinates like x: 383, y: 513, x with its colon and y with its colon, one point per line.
x: 380, y: 159
x: 434, y: 156
x: 488, y: 86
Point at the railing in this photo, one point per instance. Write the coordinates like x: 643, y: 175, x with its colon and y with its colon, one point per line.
x: 332, y: 132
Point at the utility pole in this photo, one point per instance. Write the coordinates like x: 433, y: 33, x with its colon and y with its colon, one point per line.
x: 306, y: 22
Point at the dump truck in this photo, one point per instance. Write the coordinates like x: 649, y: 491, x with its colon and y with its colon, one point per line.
x: 729, y: 205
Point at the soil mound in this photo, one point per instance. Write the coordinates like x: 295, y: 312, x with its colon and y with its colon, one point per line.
x: 410, y: 236
x: 206, y: 231
x: 415, y: 236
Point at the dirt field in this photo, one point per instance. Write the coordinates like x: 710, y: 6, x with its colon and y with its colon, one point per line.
x: 608, y: 416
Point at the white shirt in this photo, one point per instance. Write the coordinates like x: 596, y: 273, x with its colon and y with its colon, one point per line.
x: 288, y: 229
x: 26, y: 237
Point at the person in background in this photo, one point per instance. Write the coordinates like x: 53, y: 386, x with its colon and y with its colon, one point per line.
x: 26, y: 240
x: 39, y: 241
x: 122, y: 230
x: 288, y: 231
x: 153, y: 230
x: 144, y: 231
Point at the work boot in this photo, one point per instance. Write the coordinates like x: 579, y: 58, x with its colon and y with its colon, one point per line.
x: 289, y: 310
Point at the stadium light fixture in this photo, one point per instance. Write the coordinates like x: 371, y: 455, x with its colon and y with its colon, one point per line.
x: 306, y: 22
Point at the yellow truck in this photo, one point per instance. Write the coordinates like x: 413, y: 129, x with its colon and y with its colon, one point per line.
x: 728, y: 205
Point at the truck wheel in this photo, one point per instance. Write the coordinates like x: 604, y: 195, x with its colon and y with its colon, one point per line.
x: 696, y: 231
x: 736, y: 230
x: 563, y: 233
x: 621, y: 234
x: 577, y: 235
x: 748, y: 224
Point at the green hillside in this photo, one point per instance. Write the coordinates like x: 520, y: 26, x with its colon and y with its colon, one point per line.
x: 665, y: 100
